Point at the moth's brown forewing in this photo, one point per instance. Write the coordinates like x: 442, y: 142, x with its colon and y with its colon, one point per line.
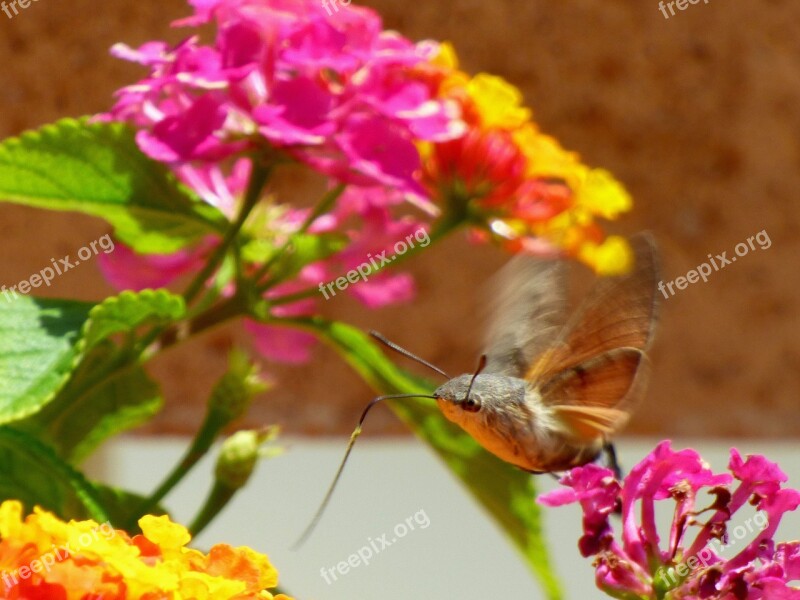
x: 596, y: 371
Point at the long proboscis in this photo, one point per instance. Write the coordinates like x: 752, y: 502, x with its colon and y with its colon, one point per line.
x: 353, y: 437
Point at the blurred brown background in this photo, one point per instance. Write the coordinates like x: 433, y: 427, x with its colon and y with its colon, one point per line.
x: 699, y: 115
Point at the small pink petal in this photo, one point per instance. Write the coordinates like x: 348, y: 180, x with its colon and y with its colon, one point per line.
x: 281, y: 344
x: 124, y: 269
x: 185, y: 135
x: 384, y: 290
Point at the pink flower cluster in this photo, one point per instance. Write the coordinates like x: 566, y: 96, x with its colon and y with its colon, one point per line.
x: 688, y: 567
x: 337, y: 93
x: 285, y: 81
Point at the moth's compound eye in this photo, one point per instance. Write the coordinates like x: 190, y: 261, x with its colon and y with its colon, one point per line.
x: 471, y: 404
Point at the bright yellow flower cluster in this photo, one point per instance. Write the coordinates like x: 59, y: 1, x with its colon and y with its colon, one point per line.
x: 543, y: 194
x: 44, y: 557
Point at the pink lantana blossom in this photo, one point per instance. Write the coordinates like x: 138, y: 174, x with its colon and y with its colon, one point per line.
x: 340, y: 94
x: 283, y: 80
x: 638, y: 563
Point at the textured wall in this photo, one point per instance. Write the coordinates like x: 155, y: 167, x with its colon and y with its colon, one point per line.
x: 697, y: 114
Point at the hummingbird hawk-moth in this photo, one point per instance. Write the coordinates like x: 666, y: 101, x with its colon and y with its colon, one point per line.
x: 550, y: 392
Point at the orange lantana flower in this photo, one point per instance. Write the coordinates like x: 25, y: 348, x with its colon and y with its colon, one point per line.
x: 44, y: 557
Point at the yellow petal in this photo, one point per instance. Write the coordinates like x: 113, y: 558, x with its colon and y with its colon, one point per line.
x: 447, y: 56
x: 612, y: 257
x: 10, y: 518
x: 498, y: 102
x: 164, y: 533
x: 603, y: 195
x: 546, y: 157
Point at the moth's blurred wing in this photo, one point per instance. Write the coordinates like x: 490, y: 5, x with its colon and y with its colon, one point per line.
x: 597, y: 371
x: 527, y: 307
x: 594, y: 399
x: 619, y: 312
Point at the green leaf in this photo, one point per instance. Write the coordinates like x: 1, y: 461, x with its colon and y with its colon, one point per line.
x: 97, y: 169
x: 43, y: 341
x: 129, y: 310
x: 38, y: 350
x: 31, y: 472
x: 109, y: 392
x: 506, y: 492
x: 86, y: 412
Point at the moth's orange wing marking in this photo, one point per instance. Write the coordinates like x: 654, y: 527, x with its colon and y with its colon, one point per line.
x: 593, y: 399
x: 596, y: 371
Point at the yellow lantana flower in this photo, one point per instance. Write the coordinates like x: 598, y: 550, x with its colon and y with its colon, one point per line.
x: 43, y: 556
x: 532, y: 194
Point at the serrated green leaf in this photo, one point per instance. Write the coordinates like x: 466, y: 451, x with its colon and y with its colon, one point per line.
x: 43, y: 342
x: 38, y: 349
x: 129, y: 310
x: 31, y: 472
x: 108, y: 392
x: 507, y: 493
x: 83, y: 414
x: 97, y: 169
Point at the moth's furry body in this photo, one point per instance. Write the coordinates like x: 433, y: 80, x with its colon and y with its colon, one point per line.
x: 513, y: 423
x: 553, y: 391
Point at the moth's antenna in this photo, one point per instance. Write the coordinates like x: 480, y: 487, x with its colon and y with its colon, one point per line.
x: 406, y: 353
x: 356, y: 432
x: 481, y: 367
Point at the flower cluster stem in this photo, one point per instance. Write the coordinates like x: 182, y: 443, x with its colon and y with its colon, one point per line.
x: 199, y: 447
x: 258, y: 179
x: 322, y: 207
x: 219, y: 496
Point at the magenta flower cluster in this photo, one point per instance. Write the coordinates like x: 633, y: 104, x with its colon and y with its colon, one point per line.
x: 283, y: 82
x: 339, y: 94
x: 691, y: 563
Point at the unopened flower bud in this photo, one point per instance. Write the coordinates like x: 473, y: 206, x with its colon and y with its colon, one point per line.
x: 234, y: 392
x: 241, y: 452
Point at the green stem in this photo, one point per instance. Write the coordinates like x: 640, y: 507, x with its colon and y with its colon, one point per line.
x: 289, y: 298
x: 321, y: 208
x: 258, y: 178
x: 200, y: 445
x: 219, y: 496
x: 235, y: 306
x: 230, y: 308
x: 212, y: 424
